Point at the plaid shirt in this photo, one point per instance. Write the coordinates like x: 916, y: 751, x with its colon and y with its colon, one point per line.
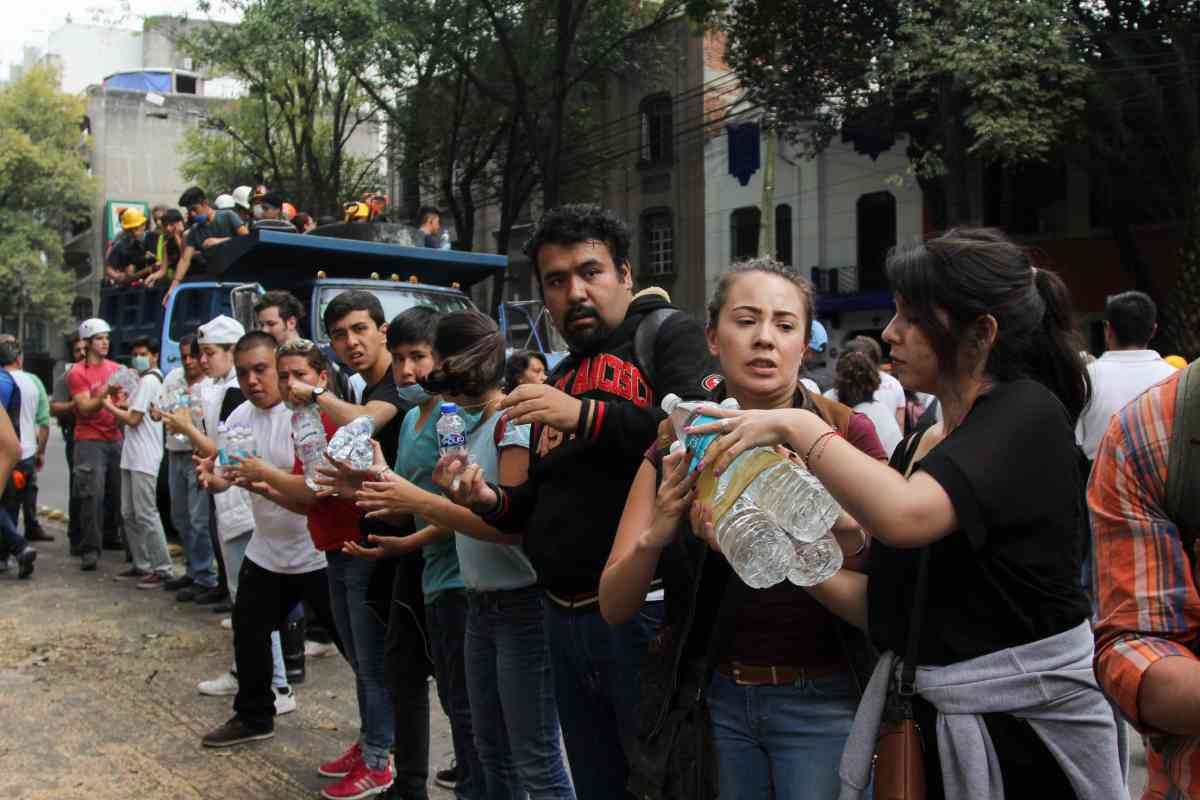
x: 1147, y: 601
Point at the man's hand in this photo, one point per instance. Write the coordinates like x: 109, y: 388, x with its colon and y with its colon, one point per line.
x: 385, y: 547
x: 213, y: 241
x: 299, y: 392
x: 541, y: 403
x: 170, y: 291
x: 156, y: 276
x: 252, y: 470
x: 389, y: 498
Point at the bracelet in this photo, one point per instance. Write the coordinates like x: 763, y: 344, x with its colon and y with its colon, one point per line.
x: 862, y: 546
x: 808, y: 457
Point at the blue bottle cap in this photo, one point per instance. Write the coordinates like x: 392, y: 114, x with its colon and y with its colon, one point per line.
x: 449, y: 408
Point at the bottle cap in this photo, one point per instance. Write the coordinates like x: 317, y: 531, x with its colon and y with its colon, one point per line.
x: 449, y: 408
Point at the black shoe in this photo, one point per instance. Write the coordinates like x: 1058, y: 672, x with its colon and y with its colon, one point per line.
x: 210, y: 596
x: 90, y: 560
x: 175, y: 584
x: 114, y: 544
x: 188, y: 595
x: 234, y: 732
x: 447, y: 778
x: 76, y: 549
x: 38, y: 534
x: 25, y: 562
x: 223, y: 607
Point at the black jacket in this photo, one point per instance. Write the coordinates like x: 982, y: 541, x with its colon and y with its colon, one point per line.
x: 571, y: 504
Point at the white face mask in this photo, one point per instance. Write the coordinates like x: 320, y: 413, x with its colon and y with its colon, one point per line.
x: 413, y: 393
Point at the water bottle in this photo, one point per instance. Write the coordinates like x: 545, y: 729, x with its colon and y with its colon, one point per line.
x: 241, y: 444
x: 351, y: 443
x: 223, y: 461
x: 183, y: 402
x: 308, y: 434
x: 451, y: 432
x: 445, y: 242
x: 772, y: 516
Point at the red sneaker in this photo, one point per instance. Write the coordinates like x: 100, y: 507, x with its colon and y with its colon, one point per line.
x: 361, y: 782
x: 341, y: 766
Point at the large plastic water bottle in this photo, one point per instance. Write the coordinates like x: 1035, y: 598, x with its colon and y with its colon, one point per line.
x: 778, y: 524
x: 184, y: 401
x: 451, y: 431
x: 351, y: 443
x: 223, y: 461
x: 308, y: 435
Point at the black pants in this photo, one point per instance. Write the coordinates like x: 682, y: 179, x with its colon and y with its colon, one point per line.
x: 264, y: 599
x: 408, y: 660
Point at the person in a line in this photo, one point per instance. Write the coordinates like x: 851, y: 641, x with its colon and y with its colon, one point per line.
x: 977, y: 531
x: 272, y: 218
x: 778, y: 675
x: 890, y: 393
x: 525, y: 366
x: 857, y: 380
x: 34, y: 431
x: 63, y: 409
x: 11, y: 541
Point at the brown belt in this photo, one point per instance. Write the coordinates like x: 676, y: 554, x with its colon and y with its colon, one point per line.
x: 755, y: 675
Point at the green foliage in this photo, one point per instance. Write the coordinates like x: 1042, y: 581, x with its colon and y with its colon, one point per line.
x: 44, y: 189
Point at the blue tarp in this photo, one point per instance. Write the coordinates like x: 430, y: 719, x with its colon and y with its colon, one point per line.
x: 140, y: 81
x: 744, y: 150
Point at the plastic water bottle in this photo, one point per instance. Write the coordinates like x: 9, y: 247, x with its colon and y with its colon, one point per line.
x: 223, y: 461
x: 451, y: 431
x: 184, y: 402
x: 308, y: 434
x: 445, y: 242
x: 351, y: 443
x: 778, y: 526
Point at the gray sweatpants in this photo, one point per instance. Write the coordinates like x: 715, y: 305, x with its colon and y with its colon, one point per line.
x: 143, y: 527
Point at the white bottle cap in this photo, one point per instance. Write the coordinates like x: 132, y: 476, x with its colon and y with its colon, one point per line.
x: 670, y: 402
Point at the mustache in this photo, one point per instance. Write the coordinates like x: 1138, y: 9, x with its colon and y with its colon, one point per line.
x: 581, y: 312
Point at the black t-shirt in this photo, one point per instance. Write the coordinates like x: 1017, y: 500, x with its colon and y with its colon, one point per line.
x: 389, y: 435
x: 1010, y: 574
x: 127, y: 251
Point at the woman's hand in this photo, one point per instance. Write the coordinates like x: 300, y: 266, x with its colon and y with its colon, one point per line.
x: 252, y: 470
x: 385, y: 547
x: 464, y: 483
x: 676, y: 492
x: 703, y: 526
x: 389, y: 498
x: 740, y: 431
x: 339, y: 479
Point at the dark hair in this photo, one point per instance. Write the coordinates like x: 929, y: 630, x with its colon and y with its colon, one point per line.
x: 192, y: 197
x: 868, y: 347
x: 855, y: 377
x: 516, y: 365
x: 72, y: 339
x: 148, y: 342
x: 285, y: 301
x: 472, y: 355
x: 1132, y: 317
x: 187, y: 344
x: 307, y: 350
x: 350, y: 301
x: 767, y: 266
x: 300, y: 220
x: 8, y: 353
x: 580, y: 222
x: 968, y: 273
x: 425, y: 212
x: 417, y: 325
x: 253, y: 340
x: 171, y: 216
x: 273, y: 199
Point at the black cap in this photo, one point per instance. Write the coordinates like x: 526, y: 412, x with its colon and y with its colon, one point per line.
x: 273, y: 199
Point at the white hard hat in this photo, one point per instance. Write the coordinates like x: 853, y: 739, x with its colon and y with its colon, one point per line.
x: 93, y: 327
x: 241, y: 196
x: 223, y: 202
x: 220, y: 330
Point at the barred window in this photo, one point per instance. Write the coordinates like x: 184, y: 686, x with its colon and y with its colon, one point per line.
x: 658, y: 243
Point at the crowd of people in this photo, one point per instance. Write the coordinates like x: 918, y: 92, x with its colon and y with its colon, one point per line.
x: 562, y: 582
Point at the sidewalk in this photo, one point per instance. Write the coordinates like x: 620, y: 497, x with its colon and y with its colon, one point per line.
x: 98, y: 697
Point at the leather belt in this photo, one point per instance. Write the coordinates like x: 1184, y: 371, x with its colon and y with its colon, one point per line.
x: 775, y: 675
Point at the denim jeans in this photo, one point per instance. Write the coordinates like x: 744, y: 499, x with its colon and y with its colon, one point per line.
x: 235, y: 553
x: 11, y: 542
x: 597, y: 675
x: 446, y: 622
x: 143, y: 529
x: 363, y: 633
x: 189, y: 515
x: 511, y: 686
x: 789, y: 737
x: 97, y: 477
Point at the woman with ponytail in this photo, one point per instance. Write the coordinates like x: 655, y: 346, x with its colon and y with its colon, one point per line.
x: 977, y: 532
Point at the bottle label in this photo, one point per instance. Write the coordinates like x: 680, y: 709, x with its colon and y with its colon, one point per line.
x: 452, y: 441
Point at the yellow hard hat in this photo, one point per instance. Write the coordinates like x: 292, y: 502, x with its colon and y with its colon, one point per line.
x: 132, y: 218
x: 357, y: 211
x: 1178, y: 362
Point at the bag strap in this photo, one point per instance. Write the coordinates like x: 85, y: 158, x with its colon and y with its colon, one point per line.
x: 1183, y: 465
x: 908, y: 667
x: 645, y: 338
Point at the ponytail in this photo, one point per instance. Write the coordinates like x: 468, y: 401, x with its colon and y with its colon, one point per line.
x: 1054, y: 357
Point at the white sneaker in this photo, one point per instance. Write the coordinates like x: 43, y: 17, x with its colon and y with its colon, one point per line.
x: 227, y: 623
x: 285, y: 700
x: 224, y: 686
x: 318, y: 649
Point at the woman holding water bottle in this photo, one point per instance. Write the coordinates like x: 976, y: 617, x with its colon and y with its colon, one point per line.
x: 768, y: 676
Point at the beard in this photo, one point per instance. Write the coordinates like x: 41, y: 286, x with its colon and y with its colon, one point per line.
x: 583, y: 341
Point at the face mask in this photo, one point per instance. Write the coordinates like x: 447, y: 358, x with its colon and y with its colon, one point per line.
x: 472, y: 417
x: 140, y: 363
x: 414, y: 393
x: 200, y: 219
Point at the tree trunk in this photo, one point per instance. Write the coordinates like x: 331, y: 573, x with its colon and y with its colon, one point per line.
x: 954, y: 156
x: 1182, y: 314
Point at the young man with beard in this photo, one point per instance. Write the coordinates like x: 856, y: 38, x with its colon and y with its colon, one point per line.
x: 592, y: 423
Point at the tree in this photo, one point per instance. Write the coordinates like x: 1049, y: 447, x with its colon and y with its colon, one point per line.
x: 45, y: 189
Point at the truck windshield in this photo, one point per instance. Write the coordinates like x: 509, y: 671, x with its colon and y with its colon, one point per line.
x: 395, y: 300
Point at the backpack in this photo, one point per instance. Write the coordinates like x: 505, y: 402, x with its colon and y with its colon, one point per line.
x: 646, y: 337
x: 1183, y: 460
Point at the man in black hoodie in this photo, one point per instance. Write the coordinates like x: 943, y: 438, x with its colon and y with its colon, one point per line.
x: 592, y: 422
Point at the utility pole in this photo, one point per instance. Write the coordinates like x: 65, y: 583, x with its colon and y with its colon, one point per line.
x: 766, y: 216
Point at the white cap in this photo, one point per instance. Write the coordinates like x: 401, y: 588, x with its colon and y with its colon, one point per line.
x: 93, y: 327
x: 220, y: 330
x: 223, y: 202
x: 241, y: 196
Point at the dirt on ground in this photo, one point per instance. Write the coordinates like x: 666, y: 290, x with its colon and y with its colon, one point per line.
x: 98, y: 697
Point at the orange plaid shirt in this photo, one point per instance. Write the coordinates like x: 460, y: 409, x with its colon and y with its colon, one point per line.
x: 1147, y: 596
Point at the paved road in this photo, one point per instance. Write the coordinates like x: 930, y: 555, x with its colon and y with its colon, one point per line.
x: 52, y: 481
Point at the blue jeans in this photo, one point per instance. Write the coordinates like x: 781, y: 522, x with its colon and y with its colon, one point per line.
x: 363, y: 633
x: 189, y: 515
x: 597, y: 674
x: 789, y: 737
x: 511, y: 687
x: 446, y: 621
x: 234, y: 551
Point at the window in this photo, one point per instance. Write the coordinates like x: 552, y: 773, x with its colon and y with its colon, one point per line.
x: 656, y: 130
x: 783, y: 233
x: 185, y: 84
x: 744, y: 235
x: 658, y: 243
x: 876, y: 236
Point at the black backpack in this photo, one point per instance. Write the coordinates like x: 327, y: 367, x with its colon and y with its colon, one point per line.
x: 1183, y: 461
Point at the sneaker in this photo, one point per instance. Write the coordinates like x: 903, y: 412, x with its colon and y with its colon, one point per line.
x: 131, y: 574
x: 25, y: 562
x: 210, y: 596
x: 285, y: 700
x: 319, y: 650
x: 89, y: 562
x: 340, y: 767
x: 223, y: 607
x: 234, y: 732
x: 175, y: 584
x: 151, y: 581
x: 361, y: 782
x: 224, y: 686
x: 447, y: 778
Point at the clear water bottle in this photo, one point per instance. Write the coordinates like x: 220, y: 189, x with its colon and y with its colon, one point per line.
x: 451, y: 431
x: 183, y: 401
x: 351, y: 443
x: 778, y: 526
x: 223, y: 461
x: 308, y: 435
x: 444, y: 244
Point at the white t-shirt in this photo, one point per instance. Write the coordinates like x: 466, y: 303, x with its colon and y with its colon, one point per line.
x: 884, y: 420
x: 175, y: 383
x: 27, y: 429
x: 890, y: 393
x: 143, y: 448
x: 281, y: 542
x: 1118, y: 377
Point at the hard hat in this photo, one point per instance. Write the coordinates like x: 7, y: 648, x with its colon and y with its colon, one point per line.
x: 131, y: 218
x: 93, y: 327
x: 242, y: 196
x: 289, y: 211
x: 357, y: 211
x: 1178, y: 362
x: 224, y: 202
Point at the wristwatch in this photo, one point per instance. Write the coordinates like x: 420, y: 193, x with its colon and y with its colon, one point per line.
x: 317, y: 392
